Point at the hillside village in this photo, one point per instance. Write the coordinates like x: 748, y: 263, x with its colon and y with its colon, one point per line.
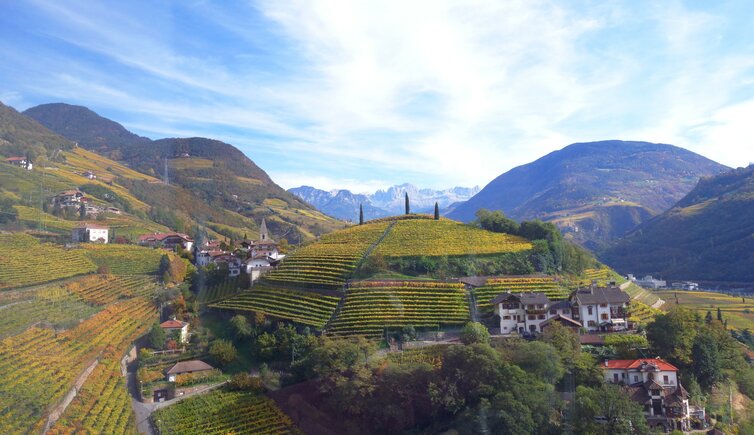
x: 225, y: 327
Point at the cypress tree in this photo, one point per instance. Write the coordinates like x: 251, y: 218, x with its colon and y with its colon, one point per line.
x: 437, y: 212
x: 719, y: 314
x: 361, y: 214
x: 408, y: 208
x: 708, y: 317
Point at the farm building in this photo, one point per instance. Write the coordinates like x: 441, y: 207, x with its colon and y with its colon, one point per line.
x: 183, y: 367
x: 90, y: 233
x: 21, y: 162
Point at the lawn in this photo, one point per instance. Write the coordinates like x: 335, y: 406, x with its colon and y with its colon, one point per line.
x: 739, y: 311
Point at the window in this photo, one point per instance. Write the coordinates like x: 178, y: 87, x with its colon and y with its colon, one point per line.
x: 532, y: 317
x: 506, y: 317
x: 636, y: 378
x: 623, y: 376
x: 665, y: 379
x: 615, y: 378
x: 540, y: 306
x: 592, y: 323
x: 603, y: 316
x: 589, y: 310
x: 603, y: 305
x: 541, y: 316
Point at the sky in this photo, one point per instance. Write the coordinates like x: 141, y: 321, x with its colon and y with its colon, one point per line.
x: 366, y: 94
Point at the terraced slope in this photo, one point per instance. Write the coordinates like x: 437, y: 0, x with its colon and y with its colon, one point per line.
x: 328, y: 262
x: 125, y: 259
x: 371, y: 306
x: 444, y: 237
x: 518, y: 284
x: 308, y: 308
x: 26, y: 261
x: 223, y: 412
x: 39, y: 365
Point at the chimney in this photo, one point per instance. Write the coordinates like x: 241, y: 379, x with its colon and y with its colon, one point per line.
x: 606, y: 362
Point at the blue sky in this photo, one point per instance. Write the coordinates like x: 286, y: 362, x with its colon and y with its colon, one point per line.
x: 362, y: 95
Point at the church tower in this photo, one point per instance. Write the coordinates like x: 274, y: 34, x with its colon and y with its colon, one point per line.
x: 263, y: 233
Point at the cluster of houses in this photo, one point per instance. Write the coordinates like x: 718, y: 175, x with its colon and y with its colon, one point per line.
x: 652, y: 283
x: 75, y: 199
x: 254, y: 257
x: 651, y: 382
x: 593, y: 308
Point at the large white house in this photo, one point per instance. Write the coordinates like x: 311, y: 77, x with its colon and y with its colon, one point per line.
x: 90, y: 233
x: 654, y: 384
x: 594, y: 308
x: 600, y: 308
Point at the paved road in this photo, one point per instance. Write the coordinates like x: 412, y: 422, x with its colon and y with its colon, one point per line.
x: 142, y: 411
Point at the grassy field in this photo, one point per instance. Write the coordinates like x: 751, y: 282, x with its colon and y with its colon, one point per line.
x: 739, y: 311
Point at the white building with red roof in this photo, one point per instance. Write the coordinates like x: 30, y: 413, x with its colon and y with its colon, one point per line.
x: 22, y: 162
x: 177, y: 328
x: 653, y: 383
x: 90, y: 233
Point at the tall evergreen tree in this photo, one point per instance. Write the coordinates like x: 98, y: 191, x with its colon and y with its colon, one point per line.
x: 361, y: 214
x: 708, y: 317
x: 437, y: 211
x: 82, y: 211
x: 719, y: 314
x: 408, y: 208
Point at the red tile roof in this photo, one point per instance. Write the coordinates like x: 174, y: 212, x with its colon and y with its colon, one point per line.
x: 15, y: 159
x: 636, y: 363
x: 173, y: 324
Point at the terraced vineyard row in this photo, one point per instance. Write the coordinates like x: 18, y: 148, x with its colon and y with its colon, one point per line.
x: 641, y: 313
x: 102, y: 405
x: 445, y: 237
x: 39, y: 365
x: 219, y: 292
x: 125, y: 259
x: 371, y: 306
x: 308, y: 308
x: 106, y: 289
x: 518, y: 284
x: 223, y: 412
x: 51, y: 305
x: 327, y: 263
x: 25, y: 261
x: 601, y: 276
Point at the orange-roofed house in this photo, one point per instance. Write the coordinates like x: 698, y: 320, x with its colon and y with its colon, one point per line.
x: 22, y: 162
x: 654, y: 384
x: 176, y: 328
x: 166, y: 240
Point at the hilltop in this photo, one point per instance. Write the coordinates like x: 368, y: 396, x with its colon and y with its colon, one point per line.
x: 706, y: 236
x: 597, y: 191
x: 199, y: 170
x: 21, y: 135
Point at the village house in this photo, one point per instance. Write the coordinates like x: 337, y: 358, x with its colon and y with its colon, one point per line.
x: 233, y: 263
x: 176, y: 328
x: 184, y: 367
x: 21, y: 162
x: 90, y: 233
x: 602, y: 308
x: 264, y: 248
x: 166, y: 240
x: 653, y: 383
x: 648, y: 282
x: 69, y: 198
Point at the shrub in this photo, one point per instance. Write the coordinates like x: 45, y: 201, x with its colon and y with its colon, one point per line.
x: 475, y: 332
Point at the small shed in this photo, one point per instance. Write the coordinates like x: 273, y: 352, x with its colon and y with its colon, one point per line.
x: 191, y: 366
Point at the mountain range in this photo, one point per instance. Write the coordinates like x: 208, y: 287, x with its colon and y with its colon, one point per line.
x: 707, y: 236
x: 211, y: 183
x: 344, y: 205
x: 595, y: 192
